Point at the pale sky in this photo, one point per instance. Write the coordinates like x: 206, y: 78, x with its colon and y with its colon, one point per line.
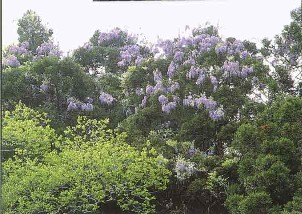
x: 74, y: 21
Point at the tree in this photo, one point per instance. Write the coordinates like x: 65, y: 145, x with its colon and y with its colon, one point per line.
x: 270, y: 160
x: 284, y: 55
x: 31, y: 30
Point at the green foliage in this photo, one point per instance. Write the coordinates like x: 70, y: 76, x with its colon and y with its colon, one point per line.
x: 27, y: 133
x: 91, y: 165
x: 270, y: 150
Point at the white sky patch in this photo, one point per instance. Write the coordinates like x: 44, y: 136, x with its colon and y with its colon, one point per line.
x: 74, y: 21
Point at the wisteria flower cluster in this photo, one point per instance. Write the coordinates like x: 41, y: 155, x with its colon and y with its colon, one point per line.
x: 232, y: 69
x: 11, y: 61
x: 184, y: 169
x: 131, y: 53
x: 114, y: 37
x: 184, y: 55
x: 48, y: 49
x: 75, y: 105
x: 216, y: 113
x: 231, y: 48
x: 21, y: 49
x: 106, y: 98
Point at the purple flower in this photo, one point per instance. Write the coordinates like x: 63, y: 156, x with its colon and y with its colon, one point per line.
x: 144, y: 102
x: 236, y: 47
x: 244, y: 55
x: 139, y: 60
x: 149, y: 89
x: 171, y: 70
x: 185, y: 42
x: 167, y: 46
x: 178, y: 56
x: 231, y: 69
x: 11, y: 61
x: 167, y: 108
x: 189, y: 101
x: 163, y: 99
x: 209, y: 104
x: 113, y: 35
x: 105, y: 98
x: 192, y: 73
x: 221, y: 49
x: 200, y: 79
x: 157, y: 76
x: 48, y: 49
x: 20, y: 49
x: 176, y: 99
x: 72, y: 106
x: 173, y: 87
x: 190, y: 61
x: 214, y: 81
x: 159, y: 87
x: 86, y: 107
x: 216, y: 114
x: 246, y: 71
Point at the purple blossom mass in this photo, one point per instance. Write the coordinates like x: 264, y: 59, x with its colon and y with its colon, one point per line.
x: 48, y: 49
x: 205, y: 43
x: 11, y: 61
x: 166, y: 46
x: 193, y: 72
x: 114, y: 36
x: 163, y: 99
x: 185, y: 42
x: 236, y: 47
x: 171, y: 69
x: 200, y: 79
x: 105, y: 98
x: 246, y: 71
x: 19, y: 49
x: 167, y: 108
x: 178, y: 56
x: 130, y: 53
x: 157, y: 76
x: 244, y: 55
x: 86, y: 107
x: 173, y: 87
x: 214, y: 82
x: 144, y: 102
x: 221, y: 48
x: 231, y: 69
x: 189, y: 101
x: 159, y: 87
x: 216, y: 114
x: 209, y: 104
x: 72, y: 106
x: 149, y: 89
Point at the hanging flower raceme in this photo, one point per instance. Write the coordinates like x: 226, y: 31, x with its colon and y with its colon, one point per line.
x: 129, y: 54
x: 184, y: 169
x: 11, y: 61
x: 231, y: 69
x: 48, y: 49
x: 21, y: 49
x: 75, y: 105
x: 105, y: 98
